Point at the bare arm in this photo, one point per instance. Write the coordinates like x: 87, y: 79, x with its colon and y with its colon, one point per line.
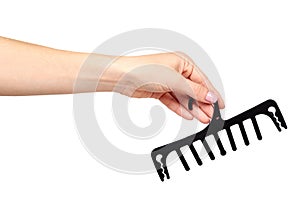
x: 28, y: 69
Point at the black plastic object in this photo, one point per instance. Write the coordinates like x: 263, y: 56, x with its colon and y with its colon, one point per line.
x: 159, y: 155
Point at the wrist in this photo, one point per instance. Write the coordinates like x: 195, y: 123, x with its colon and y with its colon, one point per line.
x: 110, y: 70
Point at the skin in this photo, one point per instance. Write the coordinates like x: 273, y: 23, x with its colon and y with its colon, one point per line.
x: 172, y: 78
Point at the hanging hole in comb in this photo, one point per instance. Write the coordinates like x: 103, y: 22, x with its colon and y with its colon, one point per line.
x: 272, y: 110
x: 158, y: 157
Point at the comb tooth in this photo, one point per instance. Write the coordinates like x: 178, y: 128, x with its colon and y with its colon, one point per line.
x: 244, y: 135
x: 195, y: 154
x: 166, y: 172
x: 161, y: 174
x: 220, y: 145
x: 183, y: 161
x: 258, y: 134
x: 231, y: 140
x: 210, y: 153
x: 165, y: 168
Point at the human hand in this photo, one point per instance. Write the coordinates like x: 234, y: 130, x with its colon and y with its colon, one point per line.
x: 171, y: 78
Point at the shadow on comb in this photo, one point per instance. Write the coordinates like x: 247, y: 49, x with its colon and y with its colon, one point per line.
x: 269, y: 108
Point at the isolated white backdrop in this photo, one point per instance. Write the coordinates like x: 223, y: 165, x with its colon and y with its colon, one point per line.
x: 255, y: 46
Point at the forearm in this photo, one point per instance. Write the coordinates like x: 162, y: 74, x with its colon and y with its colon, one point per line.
x: 28, y: 69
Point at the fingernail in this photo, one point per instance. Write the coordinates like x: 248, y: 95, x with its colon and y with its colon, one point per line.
x: 211, y: 97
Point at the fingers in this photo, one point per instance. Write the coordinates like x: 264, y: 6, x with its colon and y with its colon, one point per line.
x: 201, y: 111
x: 168, y: 100
x: 199, y: 114
x: 220, y: 99
x: 199, y: 77
x: 192, y: 72
x: 208, y: 109
x: 199, y: 92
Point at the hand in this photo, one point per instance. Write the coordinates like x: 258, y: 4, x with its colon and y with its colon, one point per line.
x: 171, y: 78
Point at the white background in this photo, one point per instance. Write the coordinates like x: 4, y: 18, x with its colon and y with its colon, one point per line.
x: 255, y: 46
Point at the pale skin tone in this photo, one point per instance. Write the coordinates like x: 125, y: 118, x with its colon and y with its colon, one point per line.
x: 172, y: 78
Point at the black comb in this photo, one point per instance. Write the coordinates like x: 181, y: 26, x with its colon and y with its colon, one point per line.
x: 159, y: 154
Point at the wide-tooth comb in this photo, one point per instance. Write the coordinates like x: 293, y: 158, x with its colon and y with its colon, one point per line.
x: 159, y: 155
